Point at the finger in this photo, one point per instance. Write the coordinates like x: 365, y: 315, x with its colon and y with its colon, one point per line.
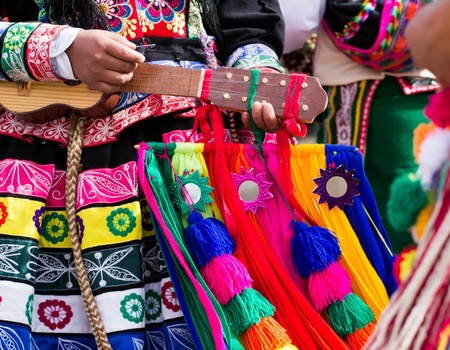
x: 257, y: 116
x: 271, y: 121
x: 110, y: 81
x: 123, y: 40
x: 115, y: 64
x: 245, y: 118
x: 124, y: 51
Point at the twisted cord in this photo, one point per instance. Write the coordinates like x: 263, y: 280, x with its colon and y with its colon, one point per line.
x: 74, y: 147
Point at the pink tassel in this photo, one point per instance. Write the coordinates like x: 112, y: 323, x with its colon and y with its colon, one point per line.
x: 328, y: 286
x: 226, y: 277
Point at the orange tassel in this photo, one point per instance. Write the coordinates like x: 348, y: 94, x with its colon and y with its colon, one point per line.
x: 358, y: 339
x: 266, y: 334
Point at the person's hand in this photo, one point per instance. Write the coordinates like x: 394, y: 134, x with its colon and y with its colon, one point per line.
x: 103, y: 60
x: 264, y: 117
x: 263, y: 113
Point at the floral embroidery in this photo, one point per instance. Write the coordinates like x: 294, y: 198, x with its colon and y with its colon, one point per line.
x: 3, y: 213
x: 254, y: 55
x: 13, y: 51
x: 132, y: 308
x: 118, y: 13
x: 178, y: 25
x: 80, y: 226
x: 153, y: 307
x: 169, y: 297
x: 147, y: 223
x: 155, y: 11
x: 37, y: 218
x: 54, y: 227
x: 55, y: 314
x: 16, y: 37
x: 121, y: 222
x: 29, y: 308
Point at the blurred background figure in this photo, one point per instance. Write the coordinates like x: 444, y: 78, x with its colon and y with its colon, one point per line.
x: 376, y: 95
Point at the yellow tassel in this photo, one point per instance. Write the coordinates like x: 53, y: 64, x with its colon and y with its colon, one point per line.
x: 358, y: 339
x: 406, y: 263
x: 422, y: 221
x: 287, y: 347
x: 266, y: 334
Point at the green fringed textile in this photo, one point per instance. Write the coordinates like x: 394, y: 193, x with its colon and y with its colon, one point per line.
x: 153, y: 167
x: 246, y: 309
x: 235, y: 345
x: 349, y: 315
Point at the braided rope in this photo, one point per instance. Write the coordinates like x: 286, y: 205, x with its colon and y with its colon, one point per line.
x: 74, y: 147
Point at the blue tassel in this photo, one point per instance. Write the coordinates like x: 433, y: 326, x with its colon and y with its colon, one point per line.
x: 207, y: 238
x: 314, y: 248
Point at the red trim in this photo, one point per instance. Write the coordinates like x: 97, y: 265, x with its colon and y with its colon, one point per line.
x: 38, y: 52
x: 365, y: 117
x: 408, y: 89
x: 206, y: 84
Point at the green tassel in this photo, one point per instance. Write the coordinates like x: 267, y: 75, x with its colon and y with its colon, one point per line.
x: 234, y: 344
x: 246, y: 309
x: 349, y: 315
x: 406, y: 199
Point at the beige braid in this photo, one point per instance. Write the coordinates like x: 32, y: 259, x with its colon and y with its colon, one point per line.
x: 74, y: 147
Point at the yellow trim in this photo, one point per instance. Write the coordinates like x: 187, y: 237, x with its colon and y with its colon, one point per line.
x: 378, y: 232
x: 97, y: 232
x: 331, y: 114
x: 362, y: 89
x: 19, y: 221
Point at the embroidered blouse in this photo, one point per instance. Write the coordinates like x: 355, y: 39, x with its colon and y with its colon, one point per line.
x: 252, y: 33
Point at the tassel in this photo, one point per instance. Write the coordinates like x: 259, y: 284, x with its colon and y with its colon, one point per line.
x: 358, y: 339
x: 207, y: 238
x: 313, y: 248
x: 287, y: 347
x: 246, y: 309
x: 349, y: 315
x: 316, y: 253
x: 234, y: 277
x: 266, y: 334
x: 328, y: 286
x: 406, y: 199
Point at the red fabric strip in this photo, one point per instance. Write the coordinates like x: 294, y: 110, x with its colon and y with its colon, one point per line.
x: 206, y: 85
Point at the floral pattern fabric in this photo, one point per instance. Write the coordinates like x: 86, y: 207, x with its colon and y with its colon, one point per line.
x: 38, y: 284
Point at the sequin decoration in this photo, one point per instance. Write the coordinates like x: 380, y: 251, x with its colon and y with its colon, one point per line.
x: 196, y: 192
x: 336, y: 186
x: 253, y: 188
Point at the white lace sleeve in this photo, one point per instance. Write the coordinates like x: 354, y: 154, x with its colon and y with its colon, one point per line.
x: 58, y: 57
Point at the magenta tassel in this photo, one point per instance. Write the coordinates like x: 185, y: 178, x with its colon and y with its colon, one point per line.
x: 226, y: 276
x: 328, y: 286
